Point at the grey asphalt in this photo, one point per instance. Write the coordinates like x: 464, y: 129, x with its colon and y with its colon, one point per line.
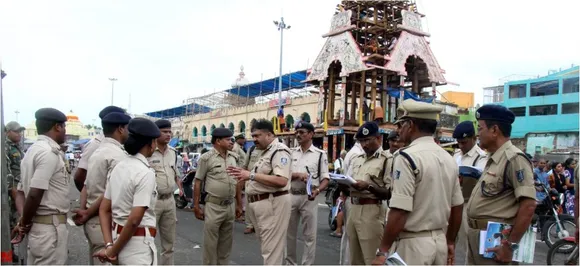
x: 246, y: 248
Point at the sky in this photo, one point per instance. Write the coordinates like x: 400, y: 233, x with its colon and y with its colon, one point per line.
x: 62, y: 53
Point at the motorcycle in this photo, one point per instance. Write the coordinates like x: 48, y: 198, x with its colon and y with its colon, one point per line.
x: 187, y: 180
x: 553, y: 226
x: 566, y: 247
x: 331, y: 196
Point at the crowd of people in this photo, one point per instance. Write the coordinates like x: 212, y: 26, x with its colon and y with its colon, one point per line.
x: 409, y: 199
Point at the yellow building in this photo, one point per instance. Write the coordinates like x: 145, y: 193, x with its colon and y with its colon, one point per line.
x: 75, y: 129
x: 197, y: 128
x: 462, y: 99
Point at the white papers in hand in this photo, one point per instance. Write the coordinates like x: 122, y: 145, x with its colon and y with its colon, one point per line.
x: 343, y: 179
x: 395, y: 259
x: 309, y: 185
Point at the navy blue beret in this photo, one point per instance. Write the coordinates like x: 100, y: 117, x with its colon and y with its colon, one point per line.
x: 116, y: 118
x: 162, y: 123
x: 144, y: 127
x: 50, y: 114
x: 110, y: 109
x: 495, y: 112
x: 393, y: 135
x: 304, y: 125
x: 463, y: 130
x: 368, y: 129
x: 221, y: 132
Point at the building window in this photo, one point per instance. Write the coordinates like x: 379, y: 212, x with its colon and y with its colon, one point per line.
x: 551, y: 109
x: 517, y: 91
x: 544, y: 88
x: 519, y: 111
x: 570, y: 85
x: 570, y: 108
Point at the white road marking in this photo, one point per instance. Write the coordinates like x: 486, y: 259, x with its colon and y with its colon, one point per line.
x: 70, y: 222
x: 322, y: 205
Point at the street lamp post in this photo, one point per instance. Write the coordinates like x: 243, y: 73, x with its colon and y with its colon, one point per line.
x: 112, y: 88
x: 281, y: 27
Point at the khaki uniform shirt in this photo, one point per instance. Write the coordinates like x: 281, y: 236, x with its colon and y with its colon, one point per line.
x: 44, y: 168
x: 309, y: 159
x: 355, y: 151
x: 432, y: 192
x: 252, y: 159
x: 102, y: 162
x: 212, y: 170
x: 165, y: 169
x: 89, y: 149
x: 280, y: 166
x: 469, y: 159
x: 371, y: 169
x: 132, y: 184
x: 241, y: 159
x: 486, y: 201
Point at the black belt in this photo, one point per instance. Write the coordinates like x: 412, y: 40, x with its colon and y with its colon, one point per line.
x: 164, y: 196
x: 259, y: 197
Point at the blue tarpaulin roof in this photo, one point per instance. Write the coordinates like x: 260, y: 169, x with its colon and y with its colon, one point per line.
x: 289, y: 81
x: 408, y: 95
x: 180, y: 111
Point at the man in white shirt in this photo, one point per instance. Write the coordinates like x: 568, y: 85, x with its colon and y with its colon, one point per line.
x: 339, y: 163
x: 469, y: 154
x: 350, y: 155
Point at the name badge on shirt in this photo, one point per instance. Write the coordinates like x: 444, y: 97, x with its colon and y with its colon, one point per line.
x: 155, y: 161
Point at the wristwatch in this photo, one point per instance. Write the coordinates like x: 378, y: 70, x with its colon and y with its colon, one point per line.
x: 512, y: 245
x: 252, y: 176
x: 383, y: 254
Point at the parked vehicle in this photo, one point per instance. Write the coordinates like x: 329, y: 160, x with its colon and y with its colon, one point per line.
x: 553, y: 226
x: 565, y: 248
x: 331, y: 195
x: 187, y: 182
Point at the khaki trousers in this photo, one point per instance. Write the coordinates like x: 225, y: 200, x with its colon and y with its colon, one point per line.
x: 166, y: 220
x: 140, y: 250
x: 47, y: 244
x: 461, y: 243
x: 365, y: 227
x: 473, y: 257
x: 95, y: 238
x: 308, y: 211
x: 218, y: 229
x: 248, y: 211
x: 270, y: 217
x: 427, y: 248
x: 344, y: 246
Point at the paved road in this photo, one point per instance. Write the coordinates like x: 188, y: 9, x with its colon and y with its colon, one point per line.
x: 246, y: 249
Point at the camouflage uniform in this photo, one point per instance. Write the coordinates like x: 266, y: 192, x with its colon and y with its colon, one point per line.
x: 13, y: 157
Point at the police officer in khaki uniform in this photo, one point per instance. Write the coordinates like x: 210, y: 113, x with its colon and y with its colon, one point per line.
x: 88, y: 150
x: 425, y: 184
x: 164, y: 161
x: 505, y: 192
x: 45, y: 184
x: 267, y: 191
x: 252, y: 158
x: 220, y: 211
x: 366, y: 215
x: 103, y: 160
x: 239, y: 149
x: 307, y: 162
x: 126, y: 213
x: 469, y: 154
